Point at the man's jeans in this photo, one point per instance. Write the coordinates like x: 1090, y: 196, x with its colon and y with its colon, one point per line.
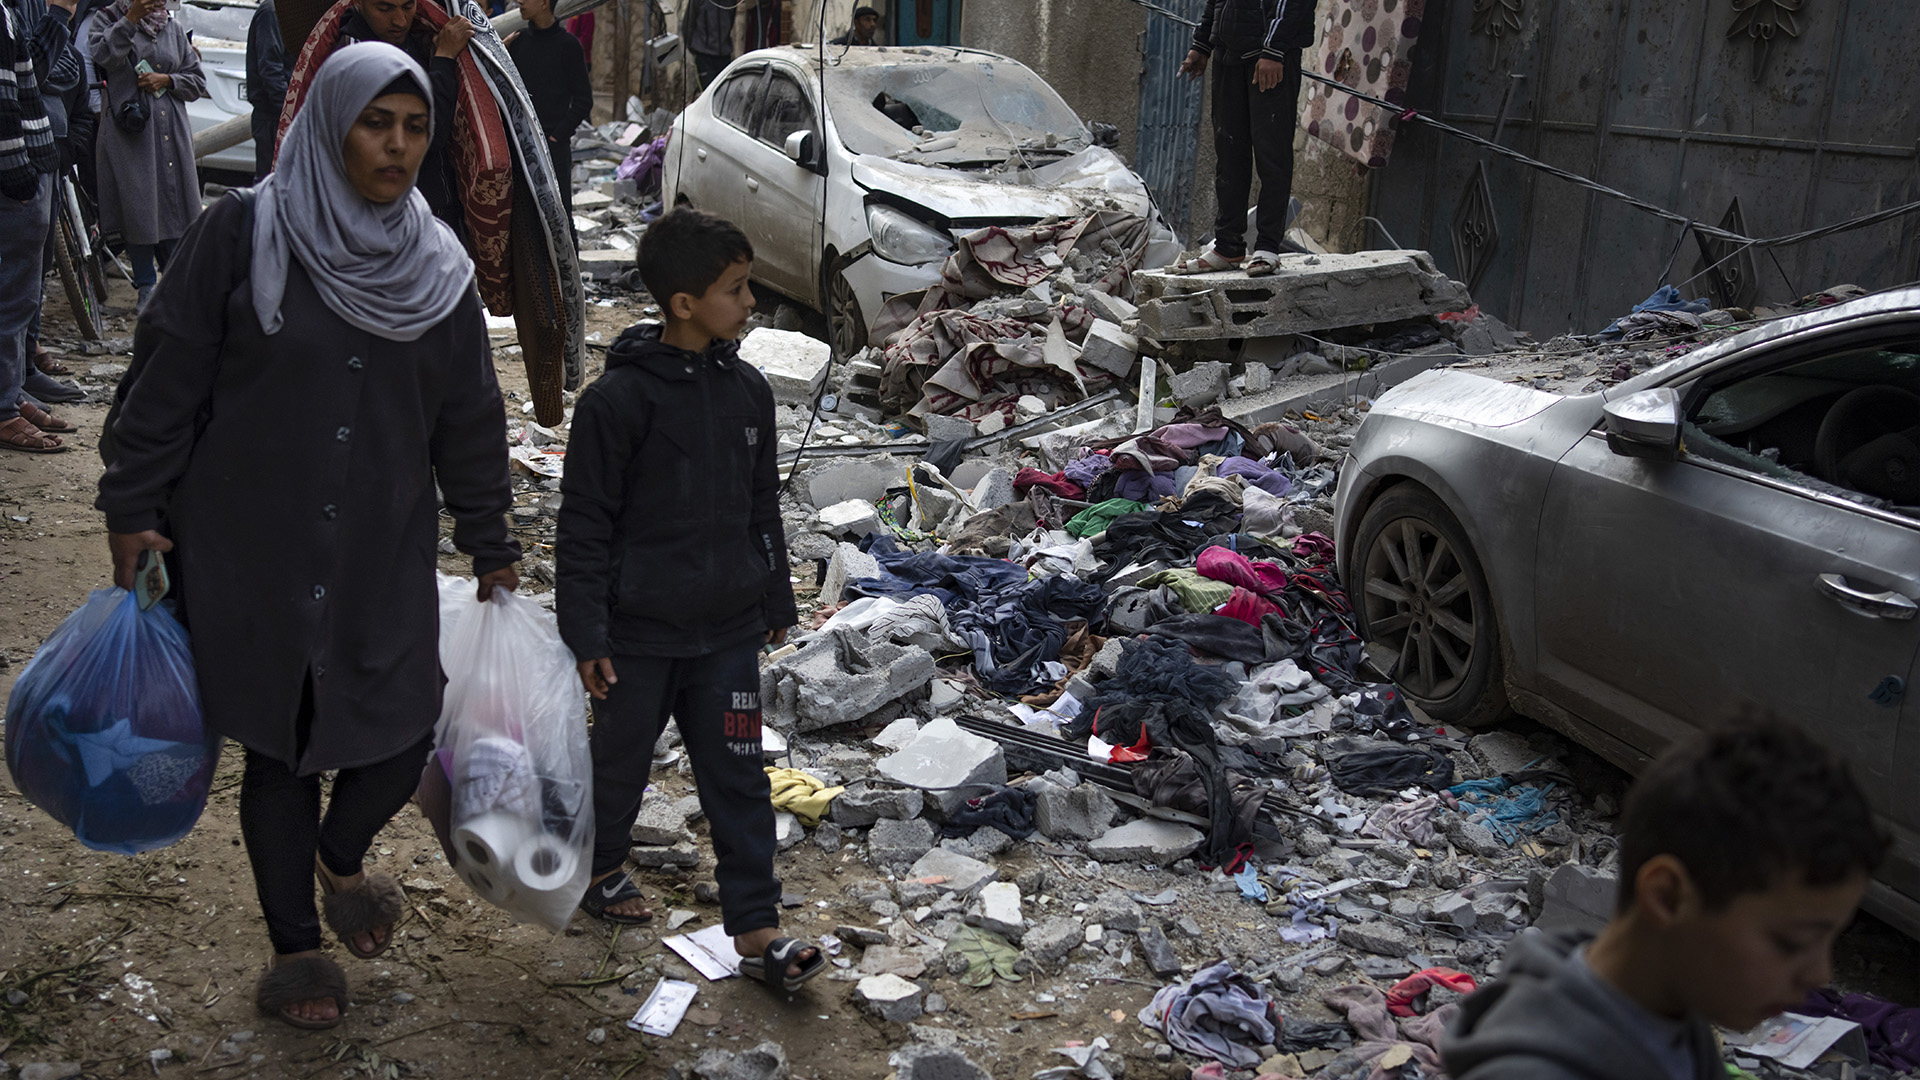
x: 23, y: 236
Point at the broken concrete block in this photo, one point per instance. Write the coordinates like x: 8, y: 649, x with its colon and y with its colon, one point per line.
x: 1456, y: 911
x: 1491, y: 912
x: 1110, y: 349
x: 767, y: 1061
x: 998, y: 910
x: 849, y: 563
x: 653, y: 858
x: 855, y: 517
x: 1472, y: 838
x: 948, y: 428
x: 1106, y: 662
x: 994, y: 490
x: 1577, y: 898
x: 932, y: 505
x: 988, y: 840
x: 857, y: 808
x: 815, y: 689
x: 787, y: 830
x: 892, y: 843
x: 845, y: 480
x: 961, y: 873
x: 662, y: 822
x: 1201, y: 385
x: 1116, y: 911
x: 991, y: 424
x: 1029, y: 407
x: 1052, y: 939
x: 1077, y: 813
x: 898, y: 734
x: 795, y: 365
x: 918, y: 1061
x: 1502, y: 752
x: 944, y: 696
x: 606, y: 264
x: 1147, y: 840
x: 1108, y: 307
x: 889, y: 997
x: 943, y: 757
x: 1380, y: 938
x: 1158, y: 952
x: 1258, y: 379
x: 1305, y: 293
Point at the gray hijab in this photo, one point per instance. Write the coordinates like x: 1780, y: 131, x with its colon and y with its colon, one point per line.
x: 391, y: 269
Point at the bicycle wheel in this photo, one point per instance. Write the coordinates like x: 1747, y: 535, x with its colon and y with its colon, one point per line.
x: 79, y: 291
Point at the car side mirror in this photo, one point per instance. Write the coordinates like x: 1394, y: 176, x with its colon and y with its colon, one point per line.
x: 802, y: 148
x: 1645, y: 424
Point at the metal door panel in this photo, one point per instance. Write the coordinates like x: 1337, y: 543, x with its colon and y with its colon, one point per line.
x: 1678, y: 591
x: 1169, y: 126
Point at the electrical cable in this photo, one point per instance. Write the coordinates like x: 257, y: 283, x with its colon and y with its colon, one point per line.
x: 1405, y: 114
x: 826, y: 297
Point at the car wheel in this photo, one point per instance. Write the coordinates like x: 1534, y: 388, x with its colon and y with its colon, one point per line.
x: 1424, y: 605
x: 846, y: 326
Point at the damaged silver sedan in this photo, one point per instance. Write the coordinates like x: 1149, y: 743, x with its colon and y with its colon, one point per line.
x: 895, y: 149
x: 1740, y: 525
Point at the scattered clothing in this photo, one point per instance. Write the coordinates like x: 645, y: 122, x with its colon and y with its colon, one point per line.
x: 1009, y: 809
x: 1217, y: 1014
x: 801, y: 794
x: 1401, y: 999
x: 1893, y: 1032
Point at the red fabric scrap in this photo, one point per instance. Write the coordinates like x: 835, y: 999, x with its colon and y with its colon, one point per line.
x: 1221, y: 564
x: 1054, y: 482
x: 1400, y: 998
x: 1248, y: 607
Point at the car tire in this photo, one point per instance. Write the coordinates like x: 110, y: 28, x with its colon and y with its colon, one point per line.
x: 846, y: 323
x: 1422, y: 601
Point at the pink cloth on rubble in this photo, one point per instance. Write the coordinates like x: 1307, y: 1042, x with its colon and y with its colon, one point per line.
x: 1222, y: 564
x: 1366, y: 1011
x: 1248, y: 607
x: 1188, y: 436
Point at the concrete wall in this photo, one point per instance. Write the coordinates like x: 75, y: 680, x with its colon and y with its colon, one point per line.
x: 1091, y: 52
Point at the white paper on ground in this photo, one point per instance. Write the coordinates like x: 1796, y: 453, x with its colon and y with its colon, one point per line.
x: 710, y: 951
x: 664, y: 1008
x: 1797, y: 1041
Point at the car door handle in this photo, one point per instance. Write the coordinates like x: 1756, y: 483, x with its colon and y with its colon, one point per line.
x: 700, y: 152
x: 1878, y: 605
x: 752, y: 184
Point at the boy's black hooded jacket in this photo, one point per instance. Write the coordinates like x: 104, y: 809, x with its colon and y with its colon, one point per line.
x: 1238, y: 30
x: 1544, y: 1021
x: 670, y: 539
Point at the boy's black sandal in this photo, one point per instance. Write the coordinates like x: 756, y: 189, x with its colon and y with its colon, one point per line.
x: 609, y: 892
x: 771, y: 966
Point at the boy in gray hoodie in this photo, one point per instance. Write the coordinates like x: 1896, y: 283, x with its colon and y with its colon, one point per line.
x: 1743, y: 854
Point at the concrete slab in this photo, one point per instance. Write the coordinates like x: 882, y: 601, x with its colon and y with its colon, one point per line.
x: 962, y: 874
x: 1304, y: 392
x: 943, y: 757
x: 1306, y: 292
x: 1147, y: 840
x: 795, y: 365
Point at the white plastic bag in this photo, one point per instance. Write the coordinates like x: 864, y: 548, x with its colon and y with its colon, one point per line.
x: 512, y: 742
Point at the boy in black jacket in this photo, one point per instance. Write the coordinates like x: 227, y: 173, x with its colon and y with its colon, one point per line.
x: 673, y: 572
x: 1743, y: 854
x: 1254, y: 46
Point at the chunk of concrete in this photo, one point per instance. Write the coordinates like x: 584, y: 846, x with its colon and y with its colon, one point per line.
x: 1110, y: 349
x: 897, y: 735
x: 951, y: 764
x: 1305, y: 293
x: 994, y: 490
x: 889, y: 997
x: 1147, y: 840
x: 960, y: 873
x: 991, y: 424
x: 841, y: 677
x: 849, y: 563
x: 1201, y: 385
x: 1106, y: 662
x: 787, y: 830
x: 845, y: 480
x: 1502, y: 752
x: 1455, y: 911
x: 998, y: 910
x: 1577, y: 898
x: 795, y: 365
x: 855, y: 517
x: 896, y: 843
x: 662, y: 822
x: 948, y: 428
x: 1158, y: 951
x: 1076, y: 813
x: 1051, y: 939
x: 919, y: 1061
x: 1379, y: 938
x: 857, y: 808
x: 1107, y: 307
x: 1473, y: 838
x: 1116, y: 911
x: 1258, y: 379
x: 605, y: 264
x: 654, y: 858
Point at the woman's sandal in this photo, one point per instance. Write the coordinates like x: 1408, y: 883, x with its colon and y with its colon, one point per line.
x: 1261, y: 264
x: 1207, y: 262
x: 44, y: 420
x: 616, y: 888
x: 20, y: 434
x: 376, y: 904
x: 782, y: 953
x: 305, y: 978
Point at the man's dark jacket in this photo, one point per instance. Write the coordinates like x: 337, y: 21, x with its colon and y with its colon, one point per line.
x: 670, y: 540
x: 1235, y: 30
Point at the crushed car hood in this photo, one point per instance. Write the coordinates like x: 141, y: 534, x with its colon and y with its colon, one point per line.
x: 1463, y: 398
x: 1093, y: 179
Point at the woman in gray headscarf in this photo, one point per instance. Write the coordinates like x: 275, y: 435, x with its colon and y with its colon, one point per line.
x: 314, y: 363
x: 149, y: 191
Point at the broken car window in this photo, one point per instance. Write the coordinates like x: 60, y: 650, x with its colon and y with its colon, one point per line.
x: 989, y: 106
x: 733, y: 101
x: 787, y: 110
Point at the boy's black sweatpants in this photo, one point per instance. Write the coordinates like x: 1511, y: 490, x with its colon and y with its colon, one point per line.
x: 1252, y: 129
x: 716, y: 701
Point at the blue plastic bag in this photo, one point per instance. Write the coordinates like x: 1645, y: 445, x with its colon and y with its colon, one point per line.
x: 104, y: 730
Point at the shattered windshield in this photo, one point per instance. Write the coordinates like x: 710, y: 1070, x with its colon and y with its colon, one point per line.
x: 967, y: 110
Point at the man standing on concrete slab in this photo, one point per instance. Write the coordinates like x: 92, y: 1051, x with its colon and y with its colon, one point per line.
x: 1255, y: 46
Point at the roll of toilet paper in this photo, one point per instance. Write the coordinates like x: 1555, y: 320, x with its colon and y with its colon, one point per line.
x: 487, y: 846
x: 545, y: 863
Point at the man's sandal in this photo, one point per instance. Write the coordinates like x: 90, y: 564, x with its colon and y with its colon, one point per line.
x: 1261, y: 264
x: 771, y: 966
x: 1208, y: 262
x: 20, y: 434
x: 49, y: 366
x: 44, y: 420
x: 372, y: 907
x: 305, y: 978
x: 609, y: 892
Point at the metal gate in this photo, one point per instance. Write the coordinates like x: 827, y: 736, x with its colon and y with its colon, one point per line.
x: 1169, y: 115
x: 924, y: 22
x: 1763, y: 116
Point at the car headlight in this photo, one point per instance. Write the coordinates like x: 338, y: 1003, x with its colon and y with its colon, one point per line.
x: 899, y: 238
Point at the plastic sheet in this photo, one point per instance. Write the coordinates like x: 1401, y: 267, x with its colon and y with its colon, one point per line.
x: 104, y: 730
